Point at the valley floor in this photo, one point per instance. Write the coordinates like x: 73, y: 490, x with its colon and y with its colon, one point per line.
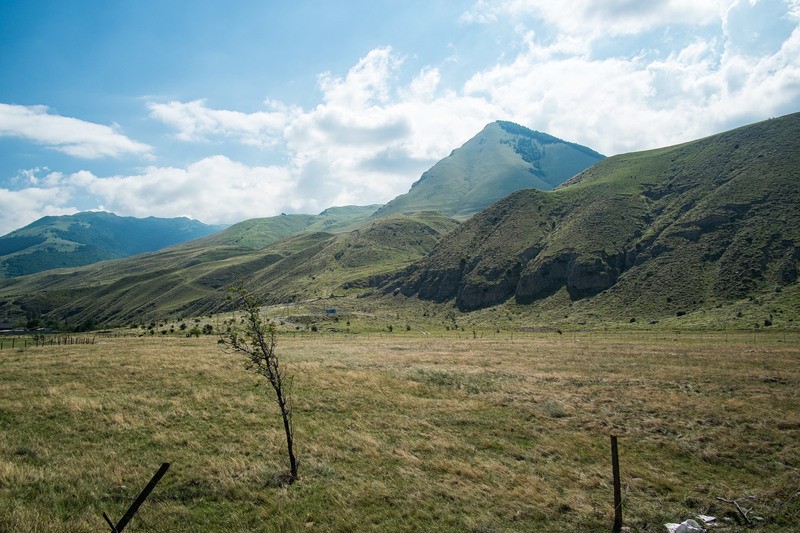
x: 405, y: 432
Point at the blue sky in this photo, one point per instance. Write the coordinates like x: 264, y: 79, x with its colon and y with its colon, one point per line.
x: 223, y: 111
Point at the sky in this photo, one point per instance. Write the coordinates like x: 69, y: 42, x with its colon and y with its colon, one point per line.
x: 223, y: 111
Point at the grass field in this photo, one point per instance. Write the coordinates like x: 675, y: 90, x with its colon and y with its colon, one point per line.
x: 405, y: 432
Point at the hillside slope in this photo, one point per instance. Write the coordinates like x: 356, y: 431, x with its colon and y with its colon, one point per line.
x: 256, y: 233
x: 85, y: 238
x: 191, y: 279
x: 503, y: 158
x: 660, y: 232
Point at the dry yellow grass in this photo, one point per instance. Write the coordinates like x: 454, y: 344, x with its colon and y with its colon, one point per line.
x: 404, y: 433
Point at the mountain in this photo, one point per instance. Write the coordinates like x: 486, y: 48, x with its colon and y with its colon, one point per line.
x: 660, y: 233
x: 191, y: 279
x: 85, y: 238
x: 705, y: 233
x: 501, y: 159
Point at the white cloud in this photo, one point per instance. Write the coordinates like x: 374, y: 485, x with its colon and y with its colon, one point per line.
x: 423, y: 86
x: 793, y: 9
x: 195, y: 121
x: 630, y: 101
x: 373, y: 135
x: 72, y: 136
x: 367, y: 83
x: 213, y: 190
x: 616, y: 76
x: 21, y: 207
x: 367, y: 140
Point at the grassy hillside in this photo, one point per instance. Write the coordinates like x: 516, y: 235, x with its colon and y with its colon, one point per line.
x: 85, y: 238
x: 648, y: 234
x: 191, y: 279
x: 256, y: 233
x: 353, y: 261
x: 501, y: 159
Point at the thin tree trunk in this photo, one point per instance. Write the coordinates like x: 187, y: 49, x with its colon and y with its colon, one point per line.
x: 287, y: 427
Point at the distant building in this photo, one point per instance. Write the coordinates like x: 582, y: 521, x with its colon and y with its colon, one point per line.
x: 5, y: 326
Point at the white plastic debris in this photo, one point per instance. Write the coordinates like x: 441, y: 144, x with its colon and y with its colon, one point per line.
x: 706, y: 519
x: 689, y: 526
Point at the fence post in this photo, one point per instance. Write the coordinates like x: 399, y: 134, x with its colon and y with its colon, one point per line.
x: 617, y: 492
x: 138, y: 502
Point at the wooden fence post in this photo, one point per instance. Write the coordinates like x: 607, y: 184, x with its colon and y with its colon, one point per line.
x: 617, y: 492
x: 138, y: 502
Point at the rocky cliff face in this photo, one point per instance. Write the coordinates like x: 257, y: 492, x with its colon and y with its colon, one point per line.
x: 583, y: 275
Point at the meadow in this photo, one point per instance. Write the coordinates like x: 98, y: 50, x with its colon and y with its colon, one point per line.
x: 402, y: 431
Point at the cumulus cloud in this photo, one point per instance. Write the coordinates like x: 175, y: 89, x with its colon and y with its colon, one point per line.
x: 688, y: 89
x: 214, y: 189
x: 196, y: 122
x: 374, y: 133
x: 366, y: 141
x: 18, y: 208
x: 72, y: 136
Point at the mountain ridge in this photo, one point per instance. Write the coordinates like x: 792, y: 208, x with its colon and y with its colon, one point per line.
x: 88, y: 237
x: 189, y: 280
x: 502, y: 158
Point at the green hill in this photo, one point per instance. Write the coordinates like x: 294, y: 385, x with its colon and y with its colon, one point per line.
x: 257, y: 233
x: 503, y: 158
x: 657, y: 233
x: 191, y: 279
x: 85, y: 238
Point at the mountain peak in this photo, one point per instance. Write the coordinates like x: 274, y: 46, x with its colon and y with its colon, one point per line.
x: 504, y: 157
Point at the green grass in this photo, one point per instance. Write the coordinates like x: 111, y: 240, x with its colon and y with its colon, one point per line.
x: 404, y: 432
